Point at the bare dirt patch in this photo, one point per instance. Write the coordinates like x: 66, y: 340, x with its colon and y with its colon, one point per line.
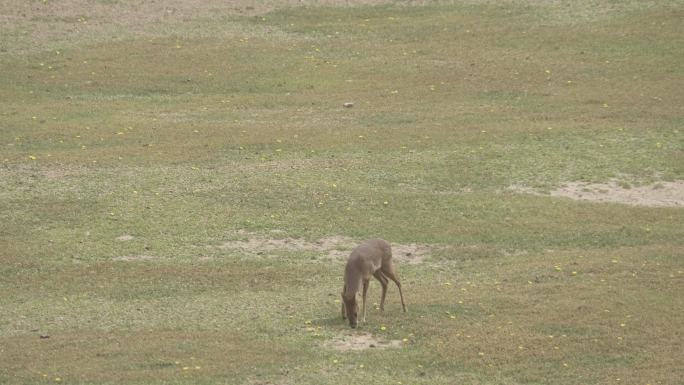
x: 361, y: 341
x: 660, y: 194
x: 125, y: 238
x: 133, y: 258
x: 333, y: 247
x: 412, y: 253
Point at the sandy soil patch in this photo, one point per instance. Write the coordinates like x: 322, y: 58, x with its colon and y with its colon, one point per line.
x: 133, y: 258
x: 334, y: 247
x: 360, y: 341
x: 125, y: 238
x: 412, y: 253
x: 660, y: 194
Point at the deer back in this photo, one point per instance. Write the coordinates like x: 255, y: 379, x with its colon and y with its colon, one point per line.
x: 368, y: 257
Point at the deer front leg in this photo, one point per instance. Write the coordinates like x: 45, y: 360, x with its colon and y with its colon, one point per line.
x: 365, y: 290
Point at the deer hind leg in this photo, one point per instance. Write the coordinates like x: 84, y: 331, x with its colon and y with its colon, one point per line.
x: 383, y: 281
x: 365, y: 290
x: 389, y: 271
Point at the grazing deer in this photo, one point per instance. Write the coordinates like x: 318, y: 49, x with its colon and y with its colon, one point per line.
x: 372, y: 257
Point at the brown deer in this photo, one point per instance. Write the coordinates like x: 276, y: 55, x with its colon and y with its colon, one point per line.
x: 372, y: 257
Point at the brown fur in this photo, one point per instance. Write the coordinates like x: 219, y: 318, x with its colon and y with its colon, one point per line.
x: 371, y: 258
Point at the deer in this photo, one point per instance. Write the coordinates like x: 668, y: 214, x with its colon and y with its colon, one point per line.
x: 371, y: 258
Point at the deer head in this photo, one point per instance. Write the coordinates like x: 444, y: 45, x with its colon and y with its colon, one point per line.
x: 351, y: 309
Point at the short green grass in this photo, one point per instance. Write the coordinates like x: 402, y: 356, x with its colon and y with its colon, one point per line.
x: 181, y: 129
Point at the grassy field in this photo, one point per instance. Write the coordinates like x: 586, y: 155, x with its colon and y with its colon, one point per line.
x: 140, y: 143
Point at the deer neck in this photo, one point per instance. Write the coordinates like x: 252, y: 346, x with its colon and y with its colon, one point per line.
x: 352, y: 282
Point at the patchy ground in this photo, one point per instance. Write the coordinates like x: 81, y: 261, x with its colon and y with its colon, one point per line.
x: 175, y: 122
x: 133, y: 258
x: 35, y: 26
x: 355, y: 341
x: 334, y: 247
x: 661, y: 194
